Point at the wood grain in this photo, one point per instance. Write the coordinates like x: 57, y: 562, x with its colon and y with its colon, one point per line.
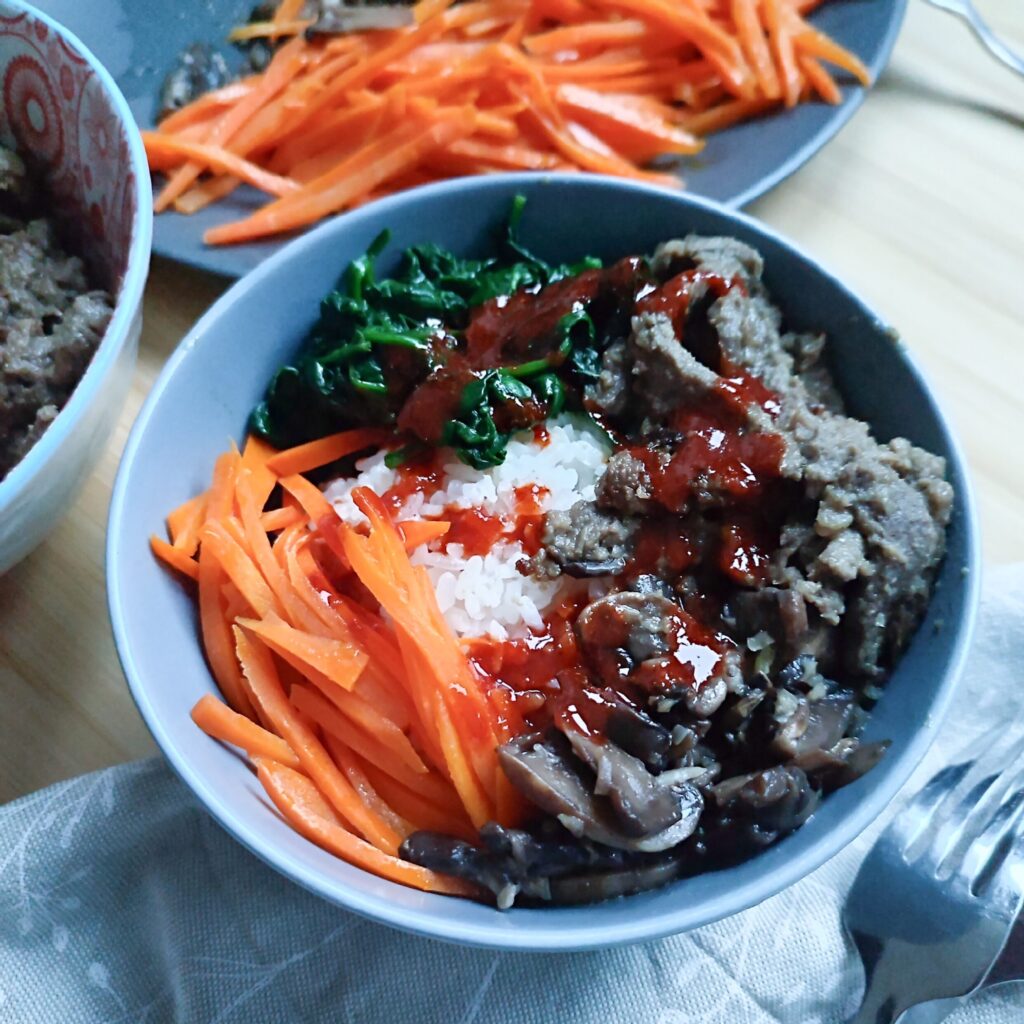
x: 918, y: 204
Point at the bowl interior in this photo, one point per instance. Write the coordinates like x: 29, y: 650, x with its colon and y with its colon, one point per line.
x: 202, y: 400
x: 56, y: 106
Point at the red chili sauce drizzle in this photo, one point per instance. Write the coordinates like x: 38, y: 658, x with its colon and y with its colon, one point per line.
x: 478, y: 531
x: 550, y: 680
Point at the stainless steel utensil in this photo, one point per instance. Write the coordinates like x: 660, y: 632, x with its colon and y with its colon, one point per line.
x: 967, y: 12
x: 937, y: 897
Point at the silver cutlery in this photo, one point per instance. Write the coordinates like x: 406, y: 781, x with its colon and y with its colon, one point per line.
x: 968, y: 13
x: 937, y: 897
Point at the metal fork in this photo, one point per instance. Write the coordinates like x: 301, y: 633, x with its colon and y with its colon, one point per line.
x: 967, y: 12
x: 937, y: 897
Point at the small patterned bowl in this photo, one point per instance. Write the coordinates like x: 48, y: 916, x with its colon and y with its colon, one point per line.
x: 58, y: 104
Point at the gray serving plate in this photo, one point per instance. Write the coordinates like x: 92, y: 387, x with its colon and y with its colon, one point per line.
x: 138, y: 40
x: 203, y: 397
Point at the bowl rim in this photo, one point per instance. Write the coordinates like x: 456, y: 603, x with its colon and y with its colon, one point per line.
x: 555, y: 937
x: 128, y: 299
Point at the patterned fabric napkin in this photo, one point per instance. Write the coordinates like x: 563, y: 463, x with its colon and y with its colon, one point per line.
x: 122, y: 902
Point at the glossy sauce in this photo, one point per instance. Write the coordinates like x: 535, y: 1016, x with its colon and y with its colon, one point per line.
x: 673, y: 297
x: 478, y: 531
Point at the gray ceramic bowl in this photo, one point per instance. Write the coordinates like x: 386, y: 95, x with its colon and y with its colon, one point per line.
x: 58, y: 104
x: 202, y: 399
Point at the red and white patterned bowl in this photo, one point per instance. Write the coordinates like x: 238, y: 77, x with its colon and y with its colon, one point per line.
x: 60, y: 105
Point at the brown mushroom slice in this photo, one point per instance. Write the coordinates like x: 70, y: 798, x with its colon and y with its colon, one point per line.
x: 606, y: 885
x: 642, y: 806
x: 545, y: 772
x: 339, y: 18
x: 780, y: 798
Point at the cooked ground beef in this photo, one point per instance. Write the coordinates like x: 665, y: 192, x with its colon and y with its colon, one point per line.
x: 51, y: 321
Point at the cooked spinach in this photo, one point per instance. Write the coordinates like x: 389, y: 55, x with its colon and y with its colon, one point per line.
x: 375, y: 340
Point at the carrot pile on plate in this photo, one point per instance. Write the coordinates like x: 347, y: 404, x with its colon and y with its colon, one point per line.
x: 344, y: 685
x: 482, y: 86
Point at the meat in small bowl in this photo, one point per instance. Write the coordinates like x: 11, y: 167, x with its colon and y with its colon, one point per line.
x: 75, y: 228
x: 579, y: 600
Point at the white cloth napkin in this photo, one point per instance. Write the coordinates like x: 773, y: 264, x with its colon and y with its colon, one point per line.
x: 122, y: 902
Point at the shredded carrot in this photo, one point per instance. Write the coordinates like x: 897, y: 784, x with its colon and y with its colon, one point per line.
x: 421, y: 531
x: 475, y: 88
x: 216, y: 632
x: 308, y: 495
x: 216, y: 719
x: 315, y: 454
x: 258, y: 666
x: 160, y: 146
x: 185, y: 522
x: 299, y: 801
x: 824, y: 84
x: 280, y: 519
x: 175, y: 557
x: 333, y: 659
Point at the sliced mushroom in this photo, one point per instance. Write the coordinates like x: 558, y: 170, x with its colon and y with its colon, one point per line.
x: 779, y: 799
x: 545, y: 771
x: 338, y: 18
x: 642, y: 805
x: 817, y: 725
x: 638, y: 734
x: 583, y: 570
x: 605, y: 885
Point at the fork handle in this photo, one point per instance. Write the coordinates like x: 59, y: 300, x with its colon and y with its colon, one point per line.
x: 968, y: 13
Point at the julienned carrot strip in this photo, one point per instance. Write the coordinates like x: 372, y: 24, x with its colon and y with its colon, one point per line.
x: 256, y: 455
x: 417, y: 809
x: 265, y: 29
x: 176, y: 558
x: 216, y: 719
x: 282, y: 68
x: 203, y: 193
x: 824, y: 84
x: 207, y: 105
x: 336, y: 660
x: 474, y: 799
x: 376, y: 163
x: 421, y: 531
x: 185, y: 522
x: 582, y: 37
x: 308, y: 495
x: 220, y: 543
x: 217, y: 639
x: 315, y: 454
x: 713, y: 42
x: 161, y: 145
x: 348, y: 763
x: 717, y: 118
x: 781, y: 39
x: 635, y: 124
x: 287, y: 12
x: 313, y: 703
x: 298, y: 800
x: 370, y: 719
x: 432, y: 788
x: 281, y: 519
x: 262, y: 554
x: 755, y: 46
x: 258, y: 667
x: 811, y: 41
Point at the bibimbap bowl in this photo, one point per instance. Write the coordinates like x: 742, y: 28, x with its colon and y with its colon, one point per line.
x: 220, y: 372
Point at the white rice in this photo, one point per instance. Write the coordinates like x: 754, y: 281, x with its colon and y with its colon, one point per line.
x: 487, y: 595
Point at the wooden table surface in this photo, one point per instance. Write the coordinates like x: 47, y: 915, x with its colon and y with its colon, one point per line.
x: 918, y: 204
